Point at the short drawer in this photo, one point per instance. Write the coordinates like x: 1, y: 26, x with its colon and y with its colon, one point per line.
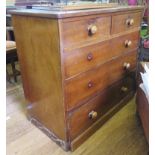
x: 88, y: 83
x: 85, y: 30
x: 83, y: 59
x: 125, y: 22
x: 90, y: 112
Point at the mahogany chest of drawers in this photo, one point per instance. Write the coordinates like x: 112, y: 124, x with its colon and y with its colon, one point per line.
x: 78, y: 67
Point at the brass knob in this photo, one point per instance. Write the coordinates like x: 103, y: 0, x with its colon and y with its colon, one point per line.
x: 92, y: 114
x: 124, y: 89
x: 130, y: 22
x: 128, y: 43
x: 92, y: 29
x: 126, y: 65
x: 90, y: 84
x: 89, y: 56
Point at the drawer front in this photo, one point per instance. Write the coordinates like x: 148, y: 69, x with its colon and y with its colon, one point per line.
x: 83, y: 59
x: 88, y: 83
x: 90, y: 112
x: 85, y: 30
x: 125, y: 22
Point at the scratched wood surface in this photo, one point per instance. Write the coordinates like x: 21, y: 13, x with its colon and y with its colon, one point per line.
x: 121, y: 135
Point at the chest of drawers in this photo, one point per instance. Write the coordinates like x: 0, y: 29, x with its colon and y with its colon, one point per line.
x: 77, y: 67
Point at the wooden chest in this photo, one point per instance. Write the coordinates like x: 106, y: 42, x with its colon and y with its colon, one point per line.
x: 78, y: 67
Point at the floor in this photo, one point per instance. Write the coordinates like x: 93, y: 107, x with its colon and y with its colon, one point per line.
x: 121, y: 135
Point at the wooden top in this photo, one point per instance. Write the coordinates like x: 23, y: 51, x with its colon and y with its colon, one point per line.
x: 9, y: 28
x: 10, y: 45
x: 74, y: 13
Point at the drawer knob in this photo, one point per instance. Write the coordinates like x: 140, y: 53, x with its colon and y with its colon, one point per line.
x: 92, y: 29
x: 92, y: 114
x: 89, y: 56
x: 128, y: 43
x: 124, y: 89
x: 126, y: 65
x: 130, y: 22
x: 90, y: 84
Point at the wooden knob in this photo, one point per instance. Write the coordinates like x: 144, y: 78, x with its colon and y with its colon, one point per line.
x: 130, y: 22
x: 124, y: 89
x: 92, y: 114
x: 90, y: 84
x: 89, y: 56
x: 92, y: 29
x: 126, y: 65
x: 128, y: 43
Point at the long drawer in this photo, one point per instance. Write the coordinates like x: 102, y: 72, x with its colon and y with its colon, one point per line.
x: 90, y: 112
x: 88, y: 83
x: 83, y: 59
x: 125, y: 22
x: 85, y: 29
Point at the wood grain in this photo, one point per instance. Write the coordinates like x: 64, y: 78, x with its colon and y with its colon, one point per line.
x: 77, y: 88
x: 57, y: 81
x: 74, y: 13
x: 79, y: 120
x: 38, y: 51
x: 77, y: 61
x: 119, y: 21
x: 80, y: 139
x: 76, y: 31
x: 122, y: 132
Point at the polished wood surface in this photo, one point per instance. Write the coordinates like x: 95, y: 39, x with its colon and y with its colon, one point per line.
x: 39, y: 56
x: 122, y: 132
x: 87, y: 84
x: 78, y: 31
x: 74, y: 13
x: 80, y: 120
x: 89, y: 131
x: 125, y: 22
x: 83, y: 59
x: 60, y: 76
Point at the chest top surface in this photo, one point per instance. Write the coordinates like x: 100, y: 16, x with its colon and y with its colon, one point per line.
x: 73, y: 13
